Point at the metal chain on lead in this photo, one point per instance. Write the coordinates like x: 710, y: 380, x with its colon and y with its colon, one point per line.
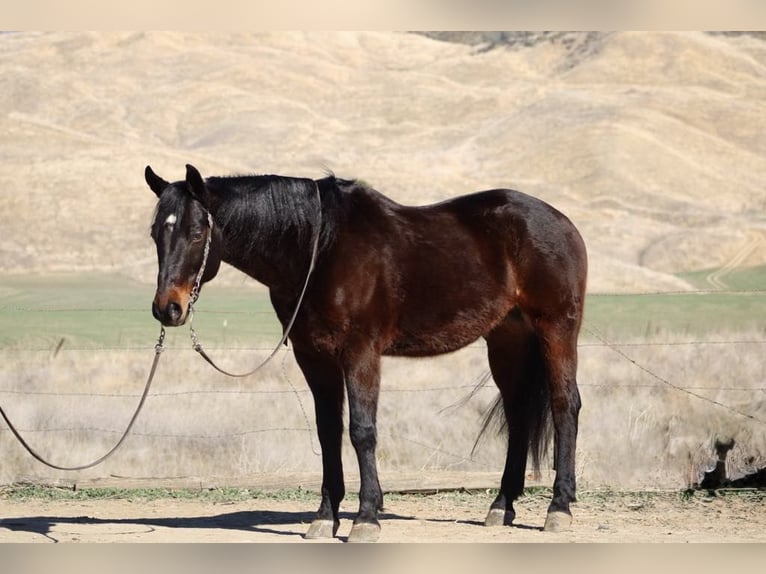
x: 198, y: 284
x: 160, y: 346
x: 198, y: 281
x: 192, y: 333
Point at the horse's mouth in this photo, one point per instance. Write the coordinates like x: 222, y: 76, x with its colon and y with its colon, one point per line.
x: 172, y: 310
x: 171, y: 316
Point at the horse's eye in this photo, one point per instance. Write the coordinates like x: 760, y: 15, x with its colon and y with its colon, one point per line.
x: 196, y: 236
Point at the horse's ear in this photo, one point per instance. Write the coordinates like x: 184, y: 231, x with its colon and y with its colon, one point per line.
x: 156, y: 183
x: 197, y: 185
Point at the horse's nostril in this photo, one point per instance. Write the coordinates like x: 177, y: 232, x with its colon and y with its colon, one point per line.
x: 170, y: 315
x: 174, y: 311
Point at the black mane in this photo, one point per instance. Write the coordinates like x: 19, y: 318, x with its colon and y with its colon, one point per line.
x: 286, y: 208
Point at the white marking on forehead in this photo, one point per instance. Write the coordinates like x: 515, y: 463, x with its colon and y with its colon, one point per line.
x: 171, y: 219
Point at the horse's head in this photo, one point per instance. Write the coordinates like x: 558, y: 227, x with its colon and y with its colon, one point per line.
x: 182, y: 231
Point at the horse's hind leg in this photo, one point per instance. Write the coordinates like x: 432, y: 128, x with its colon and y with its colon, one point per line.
x: 326, y: 383
x: 515, y: 362
x: 559, y: 340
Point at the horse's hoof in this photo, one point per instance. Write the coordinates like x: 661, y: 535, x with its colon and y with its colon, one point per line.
x: 495, y: 517
x: 364, y: 532
x: 499, y: 517
x: 557, y: 521
x: 322, y: 529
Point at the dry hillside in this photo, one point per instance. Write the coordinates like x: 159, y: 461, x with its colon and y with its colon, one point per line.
x: 652, y: 142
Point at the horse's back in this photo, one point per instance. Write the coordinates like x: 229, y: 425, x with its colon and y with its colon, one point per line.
x: 447, y: 273
x: 532, y: 237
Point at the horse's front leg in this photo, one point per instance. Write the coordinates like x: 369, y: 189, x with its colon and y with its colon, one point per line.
x: 363, y: 385
x: 325, y: 380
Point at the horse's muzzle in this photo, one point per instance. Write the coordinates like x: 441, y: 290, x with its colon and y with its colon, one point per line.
x: 172, y: 315
x: 171, y: 305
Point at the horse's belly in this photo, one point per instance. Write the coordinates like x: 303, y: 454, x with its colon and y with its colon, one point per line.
x: 426, y: 346
x: 426, y: 338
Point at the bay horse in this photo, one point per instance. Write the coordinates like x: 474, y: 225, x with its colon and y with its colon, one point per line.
x: 391, y: 279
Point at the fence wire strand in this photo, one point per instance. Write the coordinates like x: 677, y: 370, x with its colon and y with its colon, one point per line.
x: 665, y: 381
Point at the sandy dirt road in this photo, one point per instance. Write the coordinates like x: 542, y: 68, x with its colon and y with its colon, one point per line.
x: 436, y: 518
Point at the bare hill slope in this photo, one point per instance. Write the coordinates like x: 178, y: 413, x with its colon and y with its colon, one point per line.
x: 653, y: 143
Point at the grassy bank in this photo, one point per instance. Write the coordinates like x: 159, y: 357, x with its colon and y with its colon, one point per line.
x: 21, y: 492
x: 637, y: 498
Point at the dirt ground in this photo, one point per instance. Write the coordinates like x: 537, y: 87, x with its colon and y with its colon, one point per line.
x: 442, y: 517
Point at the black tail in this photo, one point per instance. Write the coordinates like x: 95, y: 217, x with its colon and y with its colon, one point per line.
x: 532, y: 403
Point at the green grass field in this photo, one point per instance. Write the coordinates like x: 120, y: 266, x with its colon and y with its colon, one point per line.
x: 104, y: 311
x: 739, y: 279
x: 642, y: 316
x: 742, y: 308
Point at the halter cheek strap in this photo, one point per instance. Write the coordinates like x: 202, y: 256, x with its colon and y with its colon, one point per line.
x: 201, y: 272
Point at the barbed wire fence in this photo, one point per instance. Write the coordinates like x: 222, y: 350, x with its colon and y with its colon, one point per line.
x: 427, y: 424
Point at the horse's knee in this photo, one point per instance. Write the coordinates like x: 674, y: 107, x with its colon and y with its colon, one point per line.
x: 363, y: 437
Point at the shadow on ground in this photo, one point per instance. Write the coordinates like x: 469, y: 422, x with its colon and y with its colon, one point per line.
x: 256, y: 521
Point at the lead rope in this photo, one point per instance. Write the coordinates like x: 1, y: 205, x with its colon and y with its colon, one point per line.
x: 158, y: 348
x: 197, y: 346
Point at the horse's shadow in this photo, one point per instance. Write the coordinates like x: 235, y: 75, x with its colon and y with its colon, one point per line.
x: 280, y: 523
x: 257, y: 521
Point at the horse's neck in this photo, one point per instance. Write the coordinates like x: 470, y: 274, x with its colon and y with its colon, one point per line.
x: 266, y: 261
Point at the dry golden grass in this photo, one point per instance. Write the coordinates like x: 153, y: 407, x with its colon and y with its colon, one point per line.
x: 636, y: 430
